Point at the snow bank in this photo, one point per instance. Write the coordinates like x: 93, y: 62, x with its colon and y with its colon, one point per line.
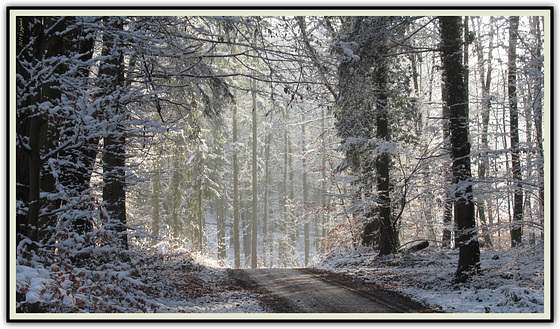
x: 512, y: 281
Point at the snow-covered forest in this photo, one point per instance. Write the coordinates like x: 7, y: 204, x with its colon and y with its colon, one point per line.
x: 146, y: 143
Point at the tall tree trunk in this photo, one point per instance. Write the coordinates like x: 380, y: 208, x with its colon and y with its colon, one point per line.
x: 517, y: 229
x: 25, y: 99
x: 381, y: 230
x: 415, y: 74
x: 29, y: 126
x: 283, y: 248
x: 448, y: 226
x: 35, y: 165
x: 469, y: 250
x: 114, y: 194
x: 388, y: 238
x: 527, y: 203
x: 246, y: 223
x: 50, y: 91
x: 78, y: 168
x: 114, y: 185
x: 221, y: 225
x: 200, y: 217
x: 156, y: 187
x: 323, y: 189
x: 537, y: 109
x: 305, y: 196
x: 44, y: 38
x: 466, y: 58
x: 485, y: 80
x: 176, y: 197
x: 292, y: 230
x: 254, y: 241
x: 267, y: 238
x: 236, y: 246
x: 41, y: 32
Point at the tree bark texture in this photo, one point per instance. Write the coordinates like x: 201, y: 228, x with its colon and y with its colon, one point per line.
x: 254, y: 237
x: 236, y: 246
x: 517, y: 229
x: 114, y: 154
x: 388, y: 239
x: 469, y: 250
x: 305, y: 195
x: 448, y: 225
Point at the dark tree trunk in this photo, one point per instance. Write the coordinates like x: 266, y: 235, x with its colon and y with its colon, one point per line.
x: 56, y: 45
x: 30, y: 35
x: 77, y: 177
x: 370, y: 119
x: 114, y: 185
x: 39, y: 39
x: 34, y: 169
x: 114, y: 194
x: 388, y: 239
x: 448, y: 225
x: 469, y: 250
x: 517, y: 230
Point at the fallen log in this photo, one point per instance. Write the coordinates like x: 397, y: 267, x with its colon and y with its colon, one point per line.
x: 415, y: 247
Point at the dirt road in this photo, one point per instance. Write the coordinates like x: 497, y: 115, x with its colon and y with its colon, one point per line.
x: 304, y: 290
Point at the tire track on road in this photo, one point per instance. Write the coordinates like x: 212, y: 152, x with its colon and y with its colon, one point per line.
x: 303, y: 290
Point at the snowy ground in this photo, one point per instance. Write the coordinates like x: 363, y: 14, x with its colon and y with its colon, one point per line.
x: 177, y: 281
x: 512, y: 281
x: 165, y: 281
x: 179, y: 286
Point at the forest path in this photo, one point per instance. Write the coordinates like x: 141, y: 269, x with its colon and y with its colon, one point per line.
x: 305, y: 290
